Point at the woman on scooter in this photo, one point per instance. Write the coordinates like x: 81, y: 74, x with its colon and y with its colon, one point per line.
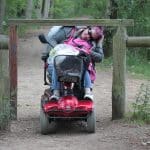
x: 59, y: 34
x: 83, y: 42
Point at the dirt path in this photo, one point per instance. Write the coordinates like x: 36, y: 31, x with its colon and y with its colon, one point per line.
x: 25, y: 132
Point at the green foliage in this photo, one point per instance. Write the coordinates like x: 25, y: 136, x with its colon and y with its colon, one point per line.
x: 137, y: 65
x: 141, y: 108
x: 63, y: 9
x: 139, y: 11
x: 99, y: 8
x: 79, y: 8
x: 15, y: 8
x: 94, y: 8
x: 4, y: 114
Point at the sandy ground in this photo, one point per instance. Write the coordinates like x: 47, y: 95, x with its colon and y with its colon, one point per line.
x: 25, y: 132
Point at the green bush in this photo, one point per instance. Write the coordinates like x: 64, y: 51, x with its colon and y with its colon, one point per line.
x: 141, y: 108
x: 137, y: 65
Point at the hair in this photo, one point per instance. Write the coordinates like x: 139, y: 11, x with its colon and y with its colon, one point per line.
x: 79, y: 32
x: 99, y: 31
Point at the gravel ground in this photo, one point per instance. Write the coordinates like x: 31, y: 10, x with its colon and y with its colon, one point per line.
x: 25, y: 132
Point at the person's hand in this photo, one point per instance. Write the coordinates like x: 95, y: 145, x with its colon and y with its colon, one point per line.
x: 100, y: 42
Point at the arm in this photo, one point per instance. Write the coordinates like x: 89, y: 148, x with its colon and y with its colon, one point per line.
x: 58, y: 37
x: 97, y: 52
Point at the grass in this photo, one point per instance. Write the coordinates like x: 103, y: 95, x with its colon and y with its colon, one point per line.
x: 4, y: 113
x: 136, y: 67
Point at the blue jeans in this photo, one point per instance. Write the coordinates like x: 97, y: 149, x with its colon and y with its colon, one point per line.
x: 50, y: 69
x: 56, y: 84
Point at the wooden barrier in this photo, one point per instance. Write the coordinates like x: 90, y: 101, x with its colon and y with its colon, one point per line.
x: 72, y: 22
x: 120, y: 43
x: 4, y: 84
x: 138, y: 41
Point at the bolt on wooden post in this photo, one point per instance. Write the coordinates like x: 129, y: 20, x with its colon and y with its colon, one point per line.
x: 119, y: 73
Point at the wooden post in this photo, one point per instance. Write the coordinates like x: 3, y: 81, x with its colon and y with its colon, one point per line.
x: 13, y: 70
x: 4, y: 85
x: 119, y: 71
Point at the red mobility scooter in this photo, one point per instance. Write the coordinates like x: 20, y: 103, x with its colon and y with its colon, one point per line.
x: 71, y: 104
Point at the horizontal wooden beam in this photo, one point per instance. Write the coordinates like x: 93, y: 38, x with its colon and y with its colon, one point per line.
x: 3, y: 42
x: 72, y: 22
x: 138, y: 41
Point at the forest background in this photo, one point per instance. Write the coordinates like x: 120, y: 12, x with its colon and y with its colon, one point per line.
x: 138, y: 59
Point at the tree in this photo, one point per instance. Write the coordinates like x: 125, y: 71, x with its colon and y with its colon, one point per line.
x: 38, y: 7
x: 51, y: 11
x: 111, y: 12
x: 45, y: 8
x: 2, y: 13
x: 29, y: 7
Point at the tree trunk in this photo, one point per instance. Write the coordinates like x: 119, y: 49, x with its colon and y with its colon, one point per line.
x: 51, y: 11
x: 38, y: 7
x: 45, y: 10
x: 2, y: 13
x: 113, y: 9
x: 111, y: 13
x: 29, y: 7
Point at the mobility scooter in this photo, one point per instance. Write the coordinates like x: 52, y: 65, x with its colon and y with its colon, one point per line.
x: 71, y: 105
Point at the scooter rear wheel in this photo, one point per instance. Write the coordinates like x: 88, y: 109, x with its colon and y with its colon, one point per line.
x: 91, y: 122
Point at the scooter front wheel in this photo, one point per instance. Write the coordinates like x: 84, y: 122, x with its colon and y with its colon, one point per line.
x: 46, y: 125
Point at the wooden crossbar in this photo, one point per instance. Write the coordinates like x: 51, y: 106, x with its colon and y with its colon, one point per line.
x: 141, y: 41
x: 72, y: 22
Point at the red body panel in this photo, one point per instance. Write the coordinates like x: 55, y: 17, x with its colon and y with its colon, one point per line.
x: 68, y: 106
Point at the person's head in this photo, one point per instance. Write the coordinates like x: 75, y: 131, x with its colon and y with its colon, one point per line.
x: 96, y: 32
x: 92, y: 33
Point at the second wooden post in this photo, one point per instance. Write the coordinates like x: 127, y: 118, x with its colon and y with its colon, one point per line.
x: 119, y: 73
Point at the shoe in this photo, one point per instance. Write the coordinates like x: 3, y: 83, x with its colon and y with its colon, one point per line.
x: 55, y: 95
x: 88, y: 94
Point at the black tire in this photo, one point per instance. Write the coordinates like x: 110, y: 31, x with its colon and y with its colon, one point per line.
x: 46, y: 125
x: 91, y: 122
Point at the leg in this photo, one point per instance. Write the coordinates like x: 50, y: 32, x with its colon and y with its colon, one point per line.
x: 87, y: 80
x: 55, y: 85
x: 87, y: 86
x: 50, y: 69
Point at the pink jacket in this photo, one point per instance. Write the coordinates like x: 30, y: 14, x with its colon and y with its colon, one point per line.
x: 80, y: 44
x: 83, y: 45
